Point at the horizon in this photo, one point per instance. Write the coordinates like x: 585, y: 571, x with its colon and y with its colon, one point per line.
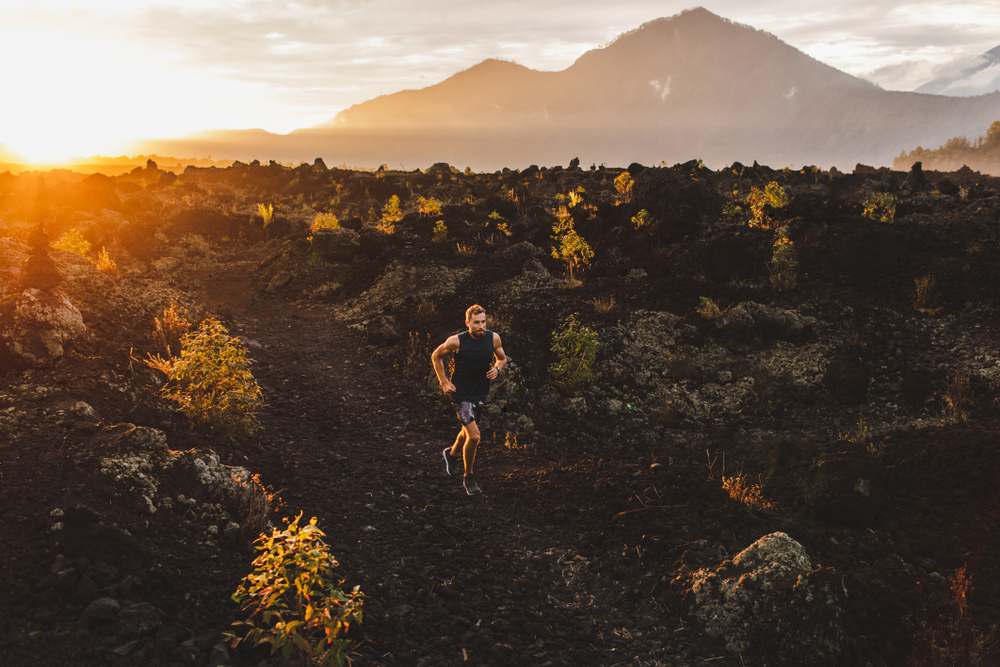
x: 157, y: 70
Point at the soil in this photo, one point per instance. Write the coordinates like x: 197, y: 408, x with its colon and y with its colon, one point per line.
x: 573, y: 552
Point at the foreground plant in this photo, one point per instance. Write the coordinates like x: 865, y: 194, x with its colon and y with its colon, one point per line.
x: 575, y: 346
x: 212, y: 382
x: 881, y: 207
x: 294, y: 603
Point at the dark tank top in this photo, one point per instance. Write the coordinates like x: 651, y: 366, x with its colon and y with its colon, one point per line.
x: 472, y: 361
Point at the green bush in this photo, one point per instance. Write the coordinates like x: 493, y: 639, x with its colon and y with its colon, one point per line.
x: 325, y: 221
x: 881, y: 207
x: 391, y: 214
x: 575, y: 346
x: 212, y: 382
x: 73, y: 241
x: 772, y: 195
x: 783, y: 266
x: 294, y: 603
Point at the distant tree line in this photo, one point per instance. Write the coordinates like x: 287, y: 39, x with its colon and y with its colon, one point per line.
x: 981, y: 155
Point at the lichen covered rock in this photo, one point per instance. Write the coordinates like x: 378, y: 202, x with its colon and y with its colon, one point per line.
x: 38, y: 327
x: 769, y: 602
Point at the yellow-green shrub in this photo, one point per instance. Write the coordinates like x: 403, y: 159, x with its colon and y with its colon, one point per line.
x: 212, y: 382
x: 73, y: 241
x: 325, y: 221
x: 295, y: 605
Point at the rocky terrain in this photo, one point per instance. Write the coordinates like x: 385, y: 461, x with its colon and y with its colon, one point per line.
x: 753, y: 476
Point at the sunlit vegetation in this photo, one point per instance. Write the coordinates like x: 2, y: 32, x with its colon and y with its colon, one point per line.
x: 880, y: 207
x: 605, y: 305
x: 642, y: 219
x: 740, y: 490
x: 391, y: 216
x: 783, y: 265
x: 429, y: 206
x: 709, y: 309
x: 170, y: 328
x: 570, y: 247
x: 325, y: 221
x: 295, y: 602
x: 73, y: 241
x: 771, y: 197
x: 104, y: 262
x: 575, y: 346
x: 266, y: 212
x: 211, y: 380
x: 440, y: 233
x: 623, y: 186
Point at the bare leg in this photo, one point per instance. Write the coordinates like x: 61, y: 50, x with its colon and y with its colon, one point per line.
x: 471, y: 433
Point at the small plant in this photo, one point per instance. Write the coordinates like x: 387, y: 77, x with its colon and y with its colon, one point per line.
x: 266, y: 212
x: 605, y: 305
x: 504, y: 229
x: 294, y: 603
x: 743, y: 492
x: 642, y: 219
x: 510, y: 442
x: 104, y: 262
x: 923, y: 288
x: 956, y: 398
x: 465, y: 248
x: 212, y: 382
x: 880, y: 207
x: 575, y: 346
x: 623, y: 186
x: 325, y: 221
x: 709, y: 309
x: 170, y: 328
x: 73, y: 241
x: 440, y: 233
x: 496, y: 217
x: 783, y: 265
x: 570, y: 246
x: 576, y: 197
x: 773, y: 196
x: 429, y: 207
x: 391, y: 215
x: 252, y: 504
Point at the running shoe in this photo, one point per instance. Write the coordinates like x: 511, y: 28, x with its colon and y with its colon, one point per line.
x: 470, y: 486
x: 449, y: 461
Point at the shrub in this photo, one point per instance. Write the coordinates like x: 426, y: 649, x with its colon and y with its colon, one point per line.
x: 642, y: 218
x: 709, y: 309
x: 605, y: 305
x: 758, y: 200
x: 73, y: 241
x: 325, y: 221
x: 170, y: 328
x: 575, y: 346
x: 391, y: 214
x: 295, y: 606
x: 743, y: 492
x: 430, y: 206
x: 212, y: 382
x: 570, y: 246
x: 105, y: 263
x: 623, y: 186
x: 783, y: 266
x: 440, y: 234
x: 881, y: 207
x: 266, y: 212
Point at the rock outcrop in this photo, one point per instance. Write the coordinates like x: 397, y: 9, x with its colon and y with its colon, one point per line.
x: 770, y: 602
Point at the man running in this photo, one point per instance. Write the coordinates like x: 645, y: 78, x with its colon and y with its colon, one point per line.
x: 479, y: 358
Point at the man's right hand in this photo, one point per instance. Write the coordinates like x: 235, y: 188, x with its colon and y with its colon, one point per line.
x: 447, y: 387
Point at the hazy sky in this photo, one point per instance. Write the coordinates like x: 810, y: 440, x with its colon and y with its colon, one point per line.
x: 81, y: 75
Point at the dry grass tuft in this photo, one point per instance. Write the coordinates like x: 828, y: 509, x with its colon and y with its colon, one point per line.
x: 956, y: 398
x: 748, y: 494
x: 605, y: 305
x: 170, y: 328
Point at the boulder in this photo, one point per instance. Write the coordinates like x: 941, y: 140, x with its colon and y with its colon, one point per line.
x: 37, y: 327
x: 754, y: 324
x: 770, y: 602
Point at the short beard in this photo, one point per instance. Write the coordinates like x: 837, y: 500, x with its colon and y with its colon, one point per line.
x: 477, y: 335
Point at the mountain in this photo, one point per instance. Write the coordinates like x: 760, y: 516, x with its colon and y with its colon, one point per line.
x: 968, y: 76
x: 692, y: 85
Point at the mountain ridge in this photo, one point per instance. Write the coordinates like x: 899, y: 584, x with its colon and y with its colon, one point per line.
x: 691, y: 85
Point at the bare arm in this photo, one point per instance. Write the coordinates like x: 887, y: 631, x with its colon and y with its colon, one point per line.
x: 443, y: 350
x: 500, y: 355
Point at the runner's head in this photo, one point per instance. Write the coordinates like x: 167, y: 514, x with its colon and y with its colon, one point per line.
x: 475, y: 319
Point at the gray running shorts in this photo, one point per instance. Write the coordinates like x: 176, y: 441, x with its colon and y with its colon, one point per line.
x: 468, y: 411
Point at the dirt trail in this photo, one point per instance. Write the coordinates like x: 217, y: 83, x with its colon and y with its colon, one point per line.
x: 450, y: 579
